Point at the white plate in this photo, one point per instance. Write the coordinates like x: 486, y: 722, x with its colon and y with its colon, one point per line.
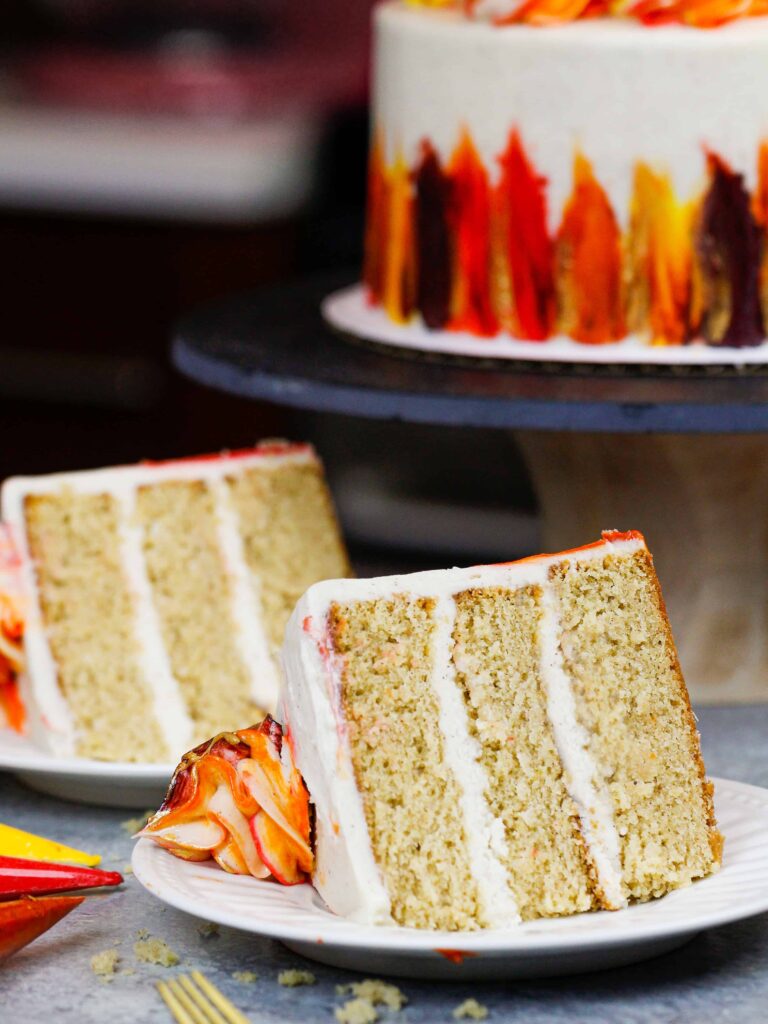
x: 106, y: 783
x: 349, y: 312
x: 586, y: 942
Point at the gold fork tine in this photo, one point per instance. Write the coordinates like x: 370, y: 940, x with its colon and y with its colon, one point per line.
x: 209, y: 1012
x: 170, y: 1000
x: 186, y: 998
x: 198, y: 1016
x: 230, y: 1012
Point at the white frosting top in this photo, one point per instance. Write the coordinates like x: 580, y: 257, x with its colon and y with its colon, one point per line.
x: 347, y: 875
x: 50, y: 720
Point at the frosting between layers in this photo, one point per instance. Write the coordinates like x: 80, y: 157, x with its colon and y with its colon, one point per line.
x: 461, y: 752
x: 572, y: 742
x: 251, y: 636
x: 51, y: 723
x: 169, y: 709
x: 347, y: 875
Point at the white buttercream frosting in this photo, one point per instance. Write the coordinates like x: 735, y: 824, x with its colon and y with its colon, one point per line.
x: 347, y: 875
x: 486, y: 842
x: 492, y: 10
x: 169, y: 709
x: 572, y: 741
x: 251, y: 637
x: 50, y: 721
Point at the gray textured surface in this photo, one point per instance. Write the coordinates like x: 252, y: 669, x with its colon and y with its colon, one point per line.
x: 720, y: 976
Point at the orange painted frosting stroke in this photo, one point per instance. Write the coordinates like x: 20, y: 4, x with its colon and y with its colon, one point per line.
x: 589, y: 241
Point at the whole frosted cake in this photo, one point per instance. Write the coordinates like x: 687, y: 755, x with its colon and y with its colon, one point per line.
x: 550, y: 170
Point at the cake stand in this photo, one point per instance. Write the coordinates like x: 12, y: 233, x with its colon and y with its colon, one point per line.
x: 680, y: 455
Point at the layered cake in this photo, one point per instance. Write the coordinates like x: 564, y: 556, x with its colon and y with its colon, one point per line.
x: 158, y: 594
x: 586, y: 171
x: 499, y: 743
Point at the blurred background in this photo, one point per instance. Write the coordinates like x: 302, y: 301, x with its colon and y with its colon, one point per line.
x: 157, y: 155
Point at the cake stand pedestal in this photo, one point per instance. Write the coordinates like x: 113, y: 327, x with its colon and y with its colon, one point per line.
x: 681, y: 456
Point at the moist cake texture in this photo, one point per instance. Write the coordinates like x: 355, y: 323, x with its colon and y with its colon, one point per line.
x: 151, y: 622
x: 504, y: 743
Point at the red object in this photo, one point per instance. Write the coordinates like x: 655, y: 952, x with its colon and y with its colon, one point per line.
x: 23, y: 920
x: 471, y: 217
x: 521, y: 203
x: 456, y: 956
x: 22, y: 877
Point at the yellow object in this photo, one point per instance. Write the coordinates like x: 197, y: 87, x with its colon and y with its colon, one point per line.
x: 15, y: 843
x: 186, y: 998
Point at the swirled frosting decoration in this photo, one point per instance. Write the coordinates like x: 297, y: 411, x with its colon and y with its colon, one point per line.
x: 240, y: 800
x: 695, y: 13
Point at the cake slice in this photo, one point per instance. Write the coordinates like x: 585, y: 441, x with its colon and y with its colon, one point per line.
x: 498, y: 743
x: 158, y: 594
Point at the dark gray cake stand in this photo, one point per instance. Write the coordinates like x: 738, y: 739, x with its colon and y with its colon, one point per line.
x: 679, y: 454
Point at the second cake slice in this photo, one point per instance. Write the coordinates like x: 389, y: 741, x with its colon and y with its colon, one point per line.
x: 499, y: 743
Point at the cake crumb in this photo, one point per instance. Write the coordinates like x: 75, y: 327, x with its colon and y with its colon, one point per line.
x: 208, y: 930
x: 292, y: 978
x: 134, y: 825
x: 471, y: 1009
x: 142, y: 933
x: 356, y: 1011
x: 379, y: 993
x: 156, y: 951
x: 104, y: 964
x: 127, y: 869
x: 245, y: 977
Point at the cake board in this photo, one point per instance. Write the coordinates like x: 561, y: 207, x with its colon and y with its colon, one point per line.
x: 679, y: 453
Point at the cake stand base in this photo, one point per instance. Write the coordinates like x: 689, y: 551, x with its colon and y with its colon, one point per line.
x: 702, y: 503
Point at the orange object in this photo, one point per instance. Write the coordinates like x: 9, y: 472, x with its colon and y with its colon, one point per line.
x: 23, y: 920
x: 240, y: 800
x: 589, y: 253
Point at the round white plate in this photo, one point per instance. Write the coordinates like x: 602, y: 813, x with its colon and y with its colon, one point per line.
x: 348, y: 311
x: 106, y: 783
x: 586, y: 942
